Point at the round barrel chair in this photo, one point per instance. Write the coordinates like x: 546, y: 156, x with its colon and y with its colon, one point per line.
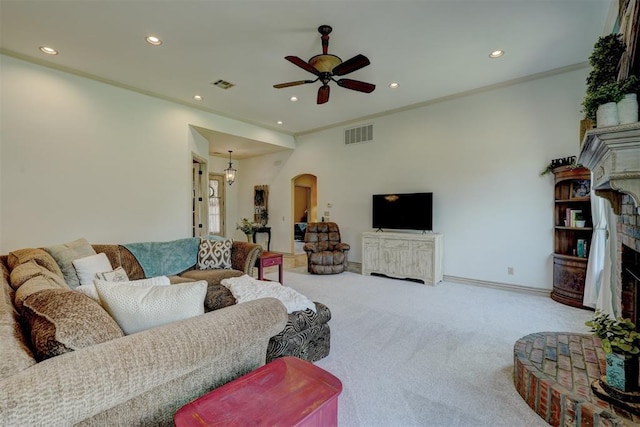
x: 326, y: 254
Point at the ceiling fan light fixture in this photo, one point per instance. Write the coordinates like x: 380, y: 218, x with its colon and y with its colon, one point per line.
x: 496, y: 53
x: 230, y: 172
x: 326, y: 67
x: 325, y: 63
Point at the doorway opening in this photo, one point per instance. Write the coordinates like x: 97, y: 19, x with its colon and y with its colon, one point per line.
x: 304, y: 205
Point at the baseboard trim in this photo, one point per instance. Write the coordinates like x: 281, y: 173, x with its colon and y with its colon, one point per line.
x: 498, y: 285
x: 354, y: 267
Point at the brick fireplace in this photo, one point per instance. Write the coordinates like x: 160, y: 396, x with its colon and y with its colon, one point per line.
x: 554, y: 371
x: 613, y: 156
x: 628, y: 231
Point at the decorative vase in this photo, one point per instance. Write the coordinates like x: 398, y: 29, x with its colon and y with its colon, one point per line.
x: 607, y: 115
x: 249, y: 237
x: 628, y: 109
x: 622, y: 372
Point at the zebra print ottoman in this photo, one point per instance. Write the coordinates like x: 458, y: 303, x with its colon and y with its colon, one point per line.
x: 306, y: 334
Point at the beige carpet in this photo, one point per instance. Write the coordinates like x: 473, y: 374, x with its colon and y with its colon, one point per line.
x: 414, y: 355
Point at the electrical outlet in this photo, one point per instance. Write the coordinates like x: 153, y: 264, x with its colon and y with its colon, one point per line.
x: 510, y: 271
x: 327, y: 213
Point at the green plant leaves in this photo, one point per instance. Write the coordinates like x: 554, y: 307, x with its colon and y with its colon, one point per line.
x: 617, y: 336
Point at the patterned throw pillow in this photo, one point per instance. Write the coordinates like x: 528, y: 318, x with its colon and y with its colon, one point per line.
x: 117, y: 275
x: 214, y: 254
x: 62, y: 320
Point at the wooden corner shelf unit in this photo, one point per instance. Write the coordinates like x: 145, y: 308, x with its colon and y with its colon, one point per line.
x: 572, y: 237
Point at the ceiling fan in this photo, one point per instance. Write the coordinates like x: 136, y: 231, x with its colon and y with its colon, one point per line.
x: 326, y: 66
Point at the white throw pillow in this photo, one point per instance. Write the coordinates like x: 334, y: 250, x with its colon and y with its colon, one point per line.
x: 92, y: 292
x: 87, y: 267
x: 137, y: 308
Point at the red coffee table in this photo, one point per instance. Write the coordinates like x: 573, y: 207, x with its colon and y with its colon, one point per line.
x: 286, y: 392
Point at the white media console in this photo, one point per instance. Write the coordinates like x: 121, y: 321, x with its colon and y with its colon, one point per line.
x: 403, y: 255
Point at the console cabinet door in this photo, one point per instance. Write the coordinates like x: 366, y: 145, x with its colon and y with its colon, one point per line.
x: 395, y: 256
x: 422, y: 261
x: 370, y: 255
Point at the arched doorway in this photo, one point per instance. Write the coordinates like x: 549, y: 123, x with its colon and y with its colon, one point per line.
x: 304, y: 205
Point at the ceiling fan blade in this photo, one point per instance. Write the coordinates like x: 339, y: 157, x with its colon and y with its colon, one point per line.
x: 351, y: 65
x: 302, y: 64
x: 356, y: 85
x: 299, y: 82
x: 323, y: 94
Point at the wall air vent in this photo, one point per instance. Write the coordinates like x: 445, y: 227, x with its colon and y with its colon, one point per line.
x: 223, y: 84
x: 358, y: 135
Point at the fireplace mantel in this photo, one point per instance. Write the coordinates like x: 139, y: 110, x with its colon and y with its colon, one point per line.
x: 613, y: 155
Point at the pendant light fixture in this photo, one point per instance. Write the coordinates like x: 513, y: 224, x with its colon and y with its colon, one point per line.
x: 230, y: 172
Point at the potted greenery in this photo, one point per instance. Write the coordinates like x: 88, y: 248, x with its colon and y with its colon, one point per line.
x: 247, y: 227
x: 602, y: 104
x: 628, y: 105
x: 601, y: 82
x: 620, y: 343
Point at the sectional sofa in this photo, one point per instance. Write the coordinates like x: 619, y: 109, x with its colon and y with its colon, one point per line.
x: 63, y: 362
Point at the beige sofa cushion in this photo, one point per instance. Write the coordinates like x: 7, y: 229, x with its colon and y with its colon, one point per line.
x: 15, y: 354
x: 29, y: 270
x: 62, y: 320
x: 34, y: 278
x: 213, y: 277
x: 40, y: 256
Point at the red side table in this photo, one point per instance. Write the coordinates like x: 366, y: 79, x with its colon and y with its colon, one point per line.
x: 286, y: 392
x: 269, y: 259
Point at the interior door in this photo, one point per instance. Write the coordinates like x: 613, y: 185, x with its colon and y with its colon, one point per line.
x: 199, y: 206
x: 216, y: 204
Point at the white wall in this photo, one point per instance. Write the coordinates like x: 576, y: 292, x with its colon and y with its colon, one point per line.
x: 82, y: 158
x: 481, y: 155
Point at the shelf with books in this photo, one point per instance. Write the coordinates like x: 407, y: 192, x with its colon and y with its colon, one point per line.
x: 573, y: 229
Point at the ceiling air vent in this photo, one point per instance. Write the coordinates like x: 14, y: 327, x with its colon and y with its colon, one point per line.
x: 223, y: 84
x: 358, y: 134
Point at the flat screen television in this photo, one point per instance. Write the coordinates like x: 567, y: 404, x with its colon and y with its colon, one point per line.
x: 408, y: 211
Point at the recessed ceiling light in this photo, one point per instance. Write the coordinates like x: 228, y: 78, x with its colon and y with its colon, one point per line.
x: 394, y: 85
x: 293, y: 98
x: 279, y: 122
x: 154, y: 40
x: 48, y: 50
x: 496, y: 54
x: 198, y: 97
